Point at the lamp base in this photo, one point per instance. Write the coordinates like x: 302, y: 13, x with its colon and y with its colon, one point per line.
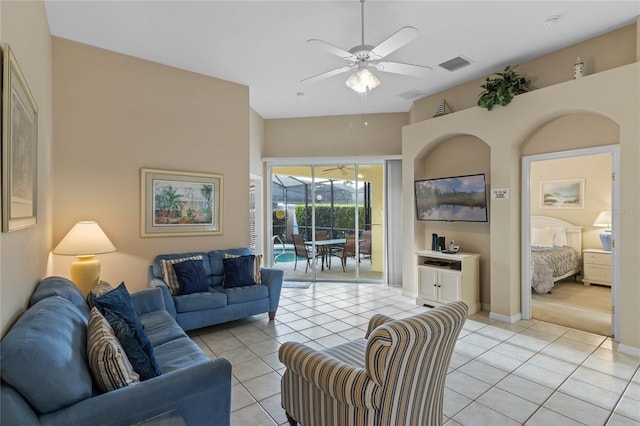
x: 605, y: 238
x: 85, y: 273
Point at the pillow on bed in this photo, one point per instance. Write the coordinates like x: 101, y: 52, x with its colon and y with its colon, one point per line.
x: 559, y: 236
x: 542, y: 237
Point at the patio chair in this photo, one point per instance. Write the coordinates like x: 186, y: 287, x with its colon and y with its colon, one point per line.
x: 365, y: 245
x: 327, y: 251
x: 302, y: 251
x: 349, y: 250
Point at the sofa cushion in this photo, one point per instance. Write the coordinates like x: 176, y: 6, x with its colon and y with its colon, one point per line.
x: 63, y: 287
x: 44, y: 355
x: 169, y: 273
x: 257, y: 264
x: 175, y: 354
x: 200, y: 301
x: 245, y: 293
x: 191, y: 276
x: 117, y: 308
x: 160, y: 328
x: 109, y: 364
x: 238, y: 271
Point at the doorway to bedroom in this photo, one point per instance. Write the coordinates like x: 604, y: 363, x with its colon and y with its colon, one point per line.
x: 569, y: 269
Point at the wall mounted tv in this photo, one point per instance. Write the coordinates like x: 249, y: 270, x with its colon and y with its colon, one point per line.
x: 452, y: 199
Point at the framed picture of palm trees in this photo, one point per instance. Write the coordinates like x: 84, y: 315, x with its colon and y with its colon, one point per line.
x: 175, y: 203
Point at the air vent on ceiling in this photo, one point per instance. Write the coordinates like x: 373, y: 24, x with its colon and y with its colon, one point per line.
x: 411, y: 94
x: 455, y: 63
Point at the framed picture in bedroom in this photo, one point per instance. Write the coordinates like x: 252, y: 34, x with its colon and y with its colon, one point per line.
x: 175, y: 203
x: 562, y: 194
x: 19, y: 147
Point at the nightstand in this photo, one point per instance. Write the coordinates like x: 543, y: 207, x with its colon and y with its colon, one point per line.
x: 596, y: 267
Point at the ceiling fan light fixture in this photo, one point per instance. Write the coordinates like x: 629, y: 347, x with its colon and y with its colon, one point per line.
x: 362, y: 81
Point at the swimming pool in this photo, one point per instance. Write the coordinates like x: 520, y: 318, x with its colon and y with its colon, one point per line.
x: 288, y: 255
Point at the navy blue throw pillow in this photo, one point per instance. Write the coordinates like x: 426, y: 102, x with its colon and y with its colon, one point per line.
x: 117, y: 308
x: 191, y: 276
x: 238, y: 271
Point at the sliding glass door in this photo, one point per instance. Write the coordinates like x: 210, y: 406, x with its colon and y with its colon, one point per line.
x: 327, y: 222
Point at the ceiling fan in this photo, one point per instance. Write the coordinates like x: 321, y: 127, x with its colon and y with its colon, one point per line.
x: 343, y: 169
x: 364, y: 58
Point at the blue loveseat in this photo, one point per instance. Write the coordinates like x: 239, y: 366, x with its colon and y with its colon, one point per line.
x: 46, y: 378
x: 218, y: 304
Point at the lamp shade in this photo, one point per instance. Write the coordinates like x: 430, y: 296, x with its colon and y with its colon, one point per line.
x: 362, y: 80
x: 84, y: 239
x: 603, y: 219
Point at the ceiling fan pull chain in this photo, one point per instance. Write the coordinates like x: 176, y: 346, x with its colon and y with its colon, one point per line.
x: 362, y: 20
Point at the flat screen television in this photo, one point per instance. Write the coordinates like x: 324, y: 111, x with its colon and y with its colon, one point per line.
x: 452, y: 199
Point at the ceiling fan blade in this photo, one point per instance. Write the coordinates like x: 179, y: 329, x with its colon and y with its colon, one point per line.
x: 334, y: 50
x: 328, y: 74
x: 406, y: 69
x: 395, y: 41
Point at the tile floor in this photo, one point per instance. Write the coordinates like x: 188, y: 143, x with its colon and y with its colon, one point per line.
x: 530, y: 372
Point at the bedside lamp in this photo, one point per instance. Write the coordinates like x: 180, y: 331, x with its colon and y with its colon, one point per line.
x: 85, y: 240
x: 604, y: 220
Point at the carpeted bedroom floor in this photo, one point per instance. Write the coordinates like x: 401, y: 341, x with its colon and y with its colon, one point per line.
x: 572, y: 304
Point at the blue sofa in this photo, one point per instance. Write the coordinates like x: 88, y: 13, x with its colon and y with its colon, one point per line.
x: 218, y: 304
x: 46, y: 378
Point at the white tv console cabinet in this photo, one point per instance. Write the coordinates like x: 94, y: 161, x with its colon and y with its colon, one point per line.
x: 448, y: 277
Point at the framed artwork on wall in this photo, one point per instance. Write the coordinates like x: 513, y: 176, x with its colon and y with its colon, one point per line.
x: 19, y: 147
x: 177, y: 203
x: 562, y: 194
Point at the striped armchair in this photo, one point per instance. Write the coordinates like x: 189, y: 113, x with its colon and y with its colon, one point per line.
x: 394, y: 376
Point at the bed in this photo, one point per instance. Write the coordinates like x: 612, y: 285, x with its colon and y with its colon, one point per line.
x: 556, y: 247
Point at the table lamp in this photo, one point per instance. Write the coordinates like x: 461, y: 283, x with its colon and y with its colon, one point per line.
x: 85, y: 240
x: 604, y: 220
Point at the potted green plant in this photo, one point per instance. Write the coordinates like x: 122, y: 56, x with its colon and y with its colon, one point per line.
x: 501, y: 89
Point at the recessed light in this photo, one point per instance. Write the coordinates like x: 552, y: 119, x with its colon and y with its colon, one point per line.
x: 550, y: 21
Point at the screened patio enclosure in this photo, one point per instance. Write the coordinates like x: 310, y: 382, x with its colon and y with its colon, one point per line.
x: 332, y: 208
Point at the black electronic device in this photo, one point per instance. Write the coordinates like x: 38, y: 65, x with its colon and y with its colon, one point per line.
x: 436, y: 262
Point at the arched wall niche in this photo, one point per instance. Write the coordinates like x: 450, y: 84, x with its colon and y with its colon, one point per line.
x: 612, y: 94
x: 458, y: 155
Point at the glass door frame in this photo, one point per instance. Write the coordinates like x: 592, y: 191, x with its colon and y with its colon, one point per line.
x: 314, y: 164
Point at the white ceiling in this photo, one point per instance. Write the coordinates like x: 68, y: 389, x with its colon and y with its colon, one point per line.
x: 262, y: 44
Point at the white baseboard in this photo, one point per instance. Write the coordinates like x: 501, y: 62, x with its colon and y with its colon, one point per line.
x: 628, y: 350
x: 409, y: 294
x: 504, y: 318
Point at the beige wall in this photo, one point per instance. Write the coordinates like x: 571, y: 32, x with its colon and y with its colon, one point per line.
x: 601, y: 53
x: 456, y: 156
x: 614, y: 94
x: 116, y: 114
x: 24, y: 253
x: 336, y: 136
x: 596, y: 172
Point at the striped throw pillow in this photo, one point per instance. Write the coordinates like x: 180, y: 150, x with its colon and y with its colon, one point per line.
x: 169, y: 274
x: 257, y: 276
x: 101, y: 288
x: 108, y: 362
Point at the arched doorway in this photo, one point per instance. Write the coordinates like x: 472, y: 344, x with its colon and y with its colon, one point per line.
x: 569, y: 301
